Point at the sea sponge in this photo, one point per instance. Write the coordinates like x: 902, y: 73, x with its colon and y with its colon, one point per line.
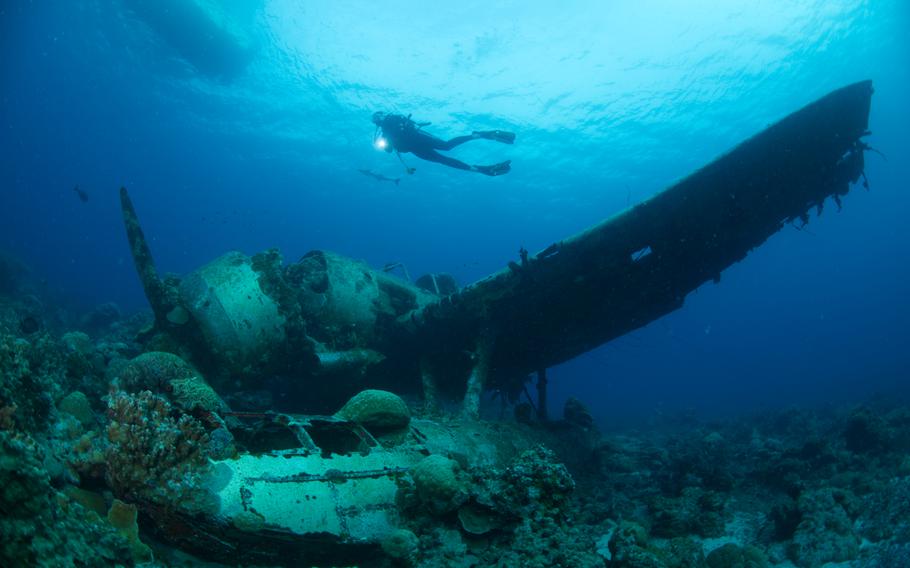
x: 376, y: 410
x: 438, y: 484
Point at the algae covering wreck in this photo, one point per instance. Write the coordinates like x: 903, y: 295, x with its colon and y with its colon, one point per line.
x: 380, y: 458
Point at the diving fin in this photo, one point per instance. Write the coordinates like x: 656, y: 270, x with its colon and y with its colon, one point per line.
x: 494, y: 170
x: 497, y: 135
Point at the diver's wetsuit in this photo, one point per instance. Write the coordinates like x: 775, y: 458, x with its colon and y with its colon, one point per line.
x: 404, y: 135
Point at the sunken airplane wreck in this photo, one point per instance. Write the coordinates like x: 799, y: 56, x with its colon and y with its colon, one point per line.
x: 334, y: 326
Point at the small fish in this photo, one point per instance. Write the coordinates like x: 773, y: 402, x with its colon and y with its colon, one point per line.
x: 379, y: 177
x: 83, y: 196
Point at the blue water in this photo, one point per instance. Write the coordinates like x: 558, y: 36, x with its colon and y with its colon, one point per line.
x: 243, y: 127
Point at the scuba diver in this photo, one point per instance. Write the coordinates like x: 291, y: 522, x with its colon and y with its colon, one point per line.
x: 398, y: 133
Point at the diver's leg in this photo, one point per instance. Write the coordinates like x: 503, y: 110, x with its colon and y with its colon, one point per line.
x: 497, y: 135
x: 434, y: 156
x: 439, y: 144
x: 494, y: 170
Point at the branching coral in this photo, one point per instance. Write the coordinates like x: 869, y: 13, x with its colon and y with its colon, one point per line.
x: 155, y: 454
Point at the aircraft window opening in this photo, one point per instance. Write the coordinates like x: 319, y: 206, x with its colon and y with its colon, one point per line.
x: 333, y: 438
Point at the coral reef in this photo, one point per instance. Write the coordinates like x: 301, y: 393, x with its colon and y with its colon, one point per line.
x: 520, y: 515
x: 77, y: 405
x: 153, y: 371
x: 402, y: 545
x: 83, y: 465
x: 695, y: 511
x: 101, y: 317
x: 825, y: 532
x: 793, y: 487
x: 32, y: 373
x: 628, y: 547
x: 42, y: 527
x: 732, y: 555
x: 170, y: 376
x: 155, y: 453
x: 536, y: 486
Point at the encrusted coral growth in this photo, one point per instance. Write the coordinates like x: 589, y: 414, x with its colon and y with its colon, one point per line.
x: 31, y: 372
x: 885, y: 512
x: 536, y: 485
x: 695, y: 511
x: 438, y: 483
x: 732, y: 555
x: 794, y: 487
x: 41, y: 527
x: 36, y: 373
x: 825, y: 533
x: 377, y: 410
x: 123, y: 517
x: 515, y: 516
x: 153, y: 371
x: 536, y: 491
x: 168, y: 375
x: 155, y: 454
x: 628, y: 548
x: 181, y: 385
